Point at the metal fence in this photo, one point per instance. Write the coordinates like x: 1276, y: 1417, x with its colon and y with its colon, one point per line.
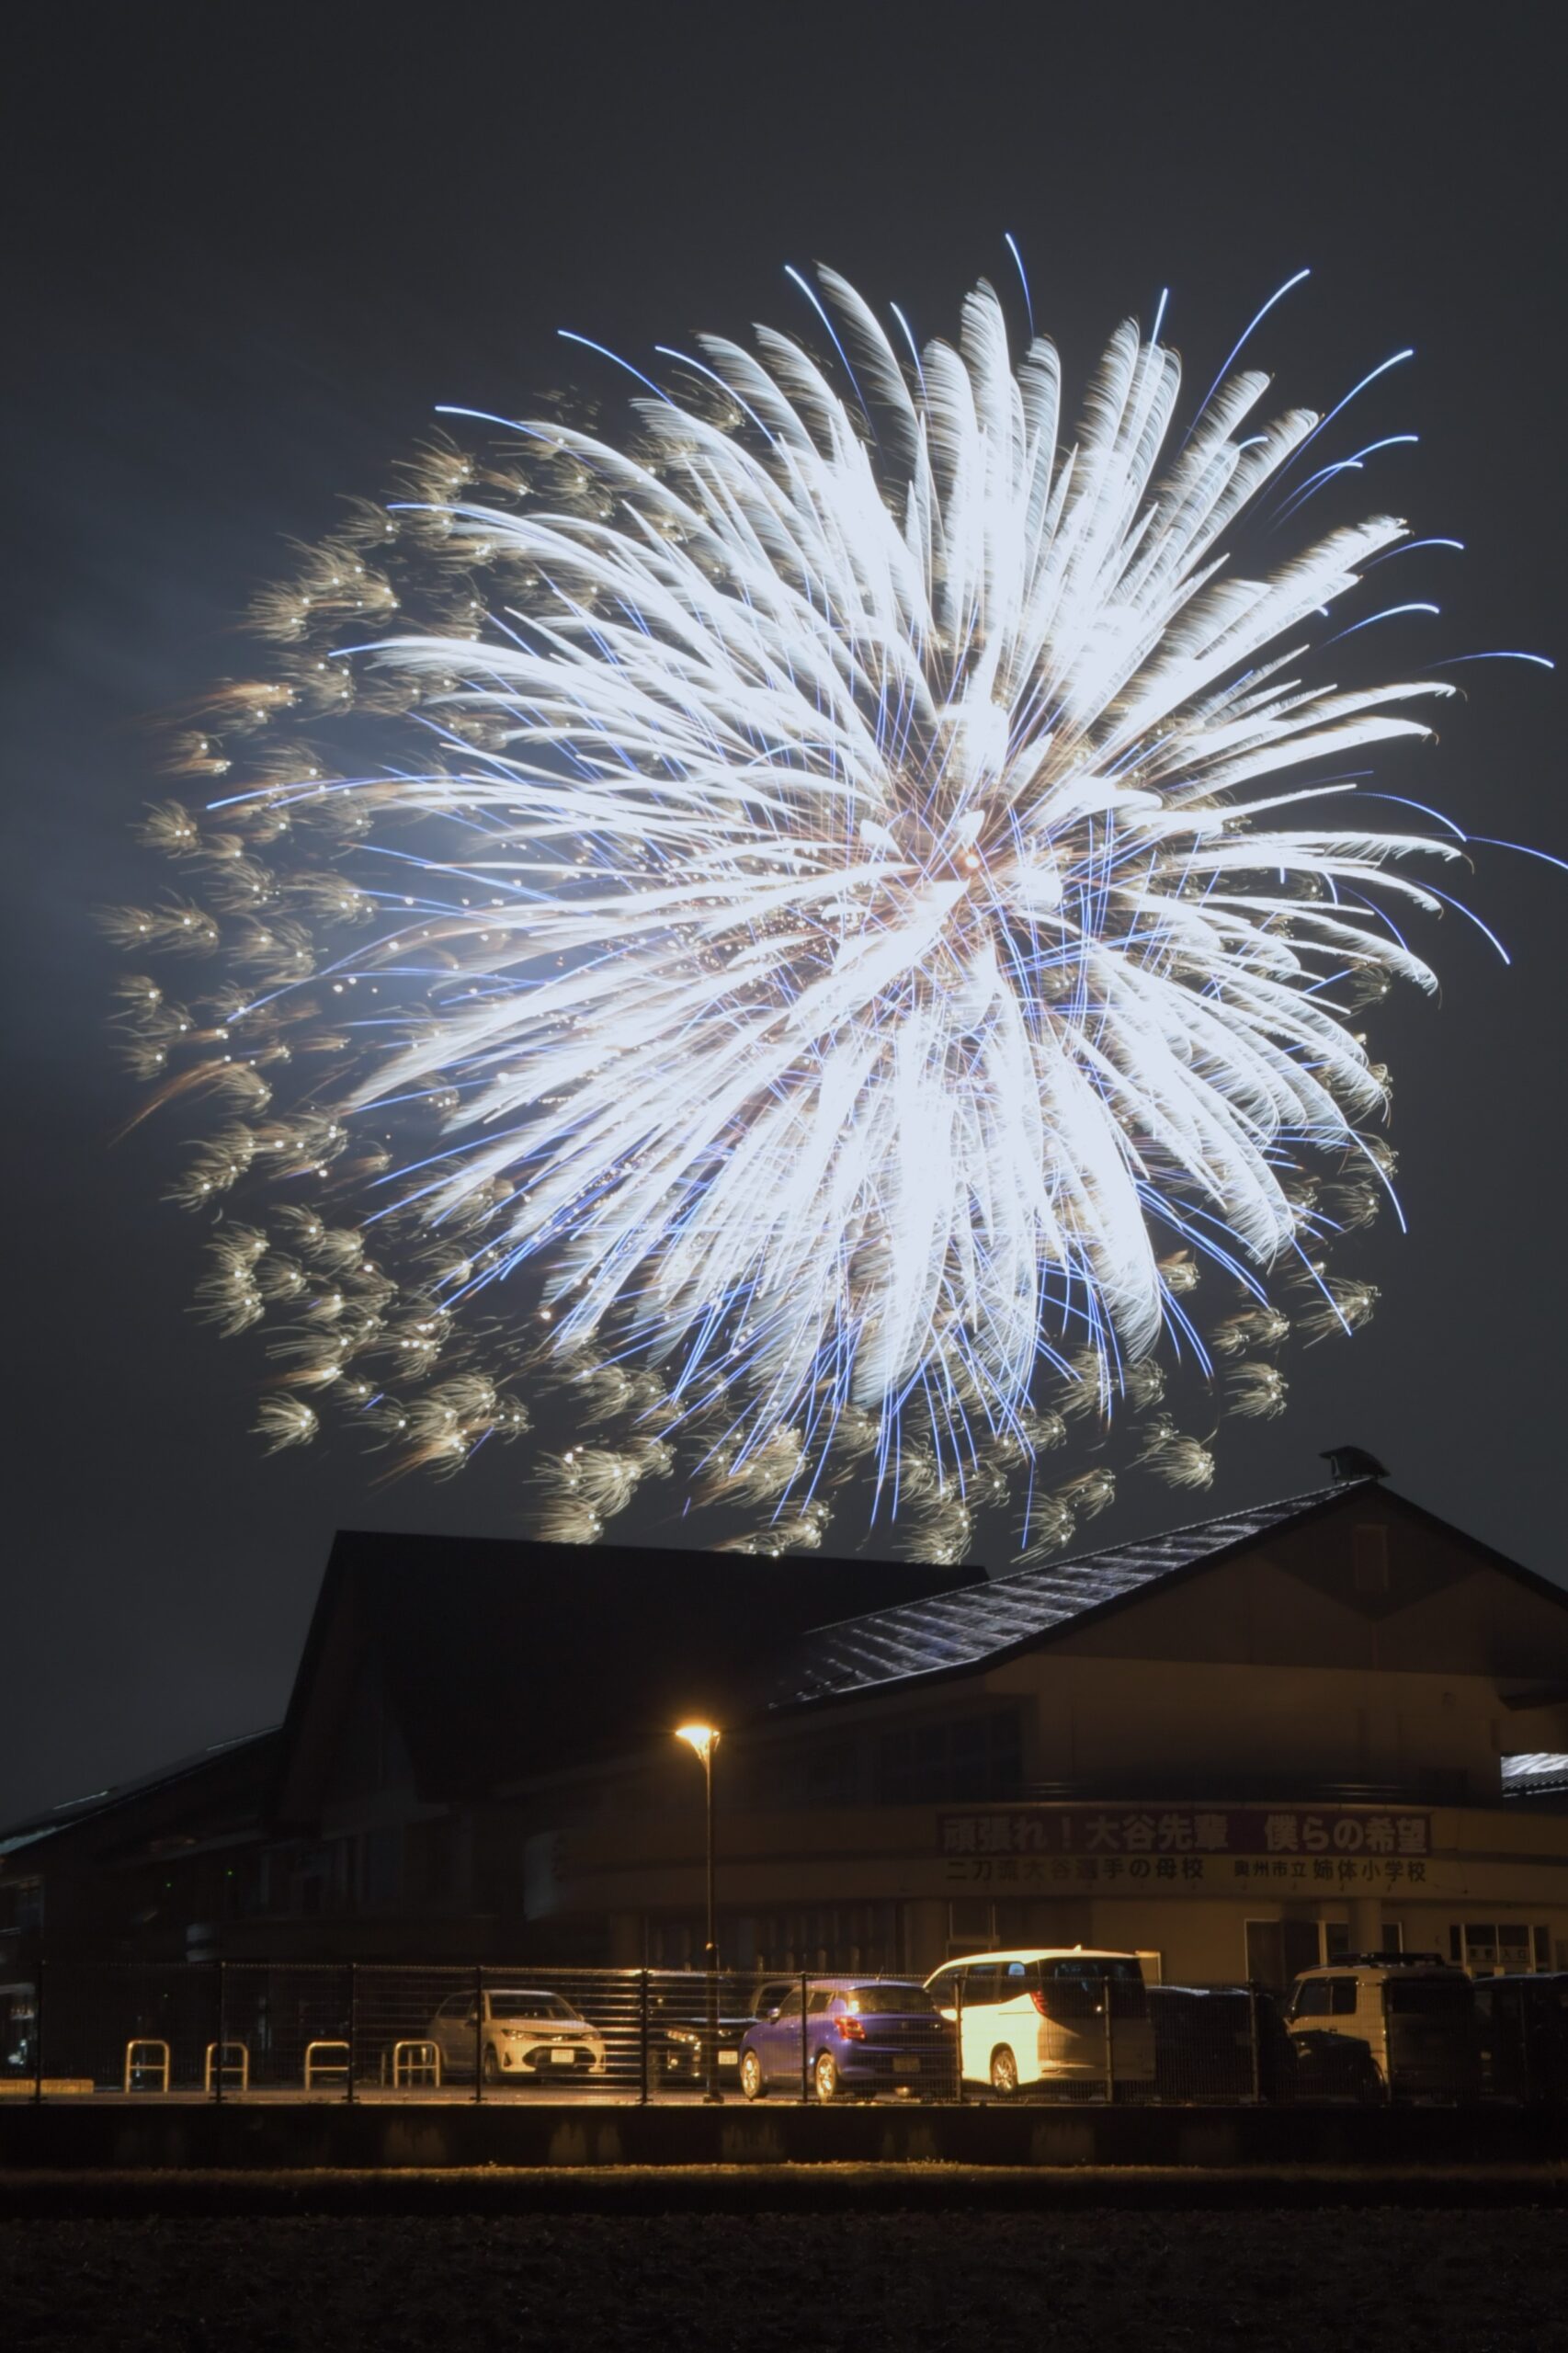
x: 344, y: 2031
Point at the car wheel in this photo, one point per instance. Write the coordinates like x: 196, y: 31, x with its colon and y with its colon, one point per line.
x: 825, y: 2075
x: 491, y: 2067
x: 1004, y: 2074
x: 751, y: 2075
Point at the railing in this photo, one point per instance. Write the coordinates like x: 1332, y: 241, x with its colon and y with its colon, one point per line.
x: 241, y: 2030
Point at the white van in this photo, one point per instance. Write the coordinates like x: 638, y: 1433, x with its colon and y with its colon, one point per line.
x: 1070, y: 2019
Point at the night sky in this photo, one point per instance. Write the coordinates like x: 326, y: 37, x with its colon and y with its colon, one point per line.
x: 251, y: 250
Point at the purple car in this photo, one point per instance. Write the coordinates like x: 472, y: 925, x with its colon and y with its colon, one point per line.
x: 860, y: 2036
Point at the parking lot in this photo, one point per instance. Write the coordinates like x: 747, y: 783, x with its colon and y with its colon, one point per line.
x: 1068, y: 2027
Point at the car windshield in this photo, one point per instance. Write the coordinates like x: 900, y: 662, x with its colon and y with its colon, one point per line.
x: 873, y: 2001
x: 530, y: 2006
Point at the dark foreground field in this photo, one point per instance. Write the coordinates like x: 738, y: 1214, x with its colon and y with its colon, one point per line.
x: 1382, y: 2277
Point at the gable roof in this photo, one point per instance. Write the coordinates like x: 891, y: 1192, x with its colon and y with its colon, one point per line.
x: 498, y: 1658
x: 220, y: 1788
x: 923, y: 1640
x: 920, y: 1639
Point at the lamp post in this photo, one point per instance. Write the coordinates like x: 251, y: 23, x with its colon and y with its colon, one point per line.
x: 703, y: 1739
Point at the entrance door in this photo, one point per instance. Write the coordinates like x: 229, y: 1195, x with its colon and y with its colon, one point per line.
x: 1278, y: 1951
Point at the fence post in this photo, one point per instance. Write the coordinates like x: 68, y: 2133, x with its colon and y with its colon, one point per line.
x: 1254, y: 2052
x: 958, y: 2009
x: 353, y: 2028
x: 478, y: 2031
x: 642, y: 2038
x: 1110, y: 2043
x: 37, y: 2034
x: 222, y: 2051
x: 805, y: 2059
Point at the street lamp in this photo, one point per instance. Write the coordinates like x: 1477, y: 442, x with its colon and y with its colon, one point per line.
x: 703, y: 1739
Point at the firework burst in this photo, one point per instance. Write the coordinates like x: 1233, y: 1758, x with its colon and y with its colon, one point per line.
x: 801, y: 948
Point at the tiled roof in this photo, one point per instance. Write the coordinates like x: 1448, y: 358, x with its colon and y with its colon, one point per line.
x: 964, y: 1628
x: 1538, y: 1772
x: 67, y: 1816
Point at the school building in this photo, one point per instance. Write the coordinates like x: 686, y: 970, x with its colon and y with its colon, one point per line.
x: 1332, y: 1723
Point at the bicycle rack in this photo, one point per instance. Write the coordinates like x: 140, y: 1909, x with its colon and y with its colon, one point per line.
x: 320, y: 2069
x: 417, y: 2061
x: 229, y: 2060
x: 146, y: 2055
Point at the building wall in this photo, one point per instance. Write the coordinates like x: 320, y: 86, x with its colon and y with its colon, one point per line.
x: 1333, y: 1870
x: 1196, y: 1703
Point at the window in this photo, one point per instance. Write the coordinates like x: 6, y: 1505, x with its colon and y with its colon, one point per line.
x: 21, y: 1903
x: 966, y: 1757
x: 1511, y: 1948
x: 826, y: 1774
x: 455, y: 2006
x: 981, y: 1983
x: 530, y: 2006
x: 878, y: 2001
x: 438, y: 1841
x: 818, y: 2005
x: 1370, y: 1554
x: 1095, y: 1966
x: 1336, y: 1940
x: 789, y: 2007
x: 1480, y: 1945
x: 1342, y: 1997
x: 383, y: 1866
x: 1311, y: 1999
x: 827, y: 1939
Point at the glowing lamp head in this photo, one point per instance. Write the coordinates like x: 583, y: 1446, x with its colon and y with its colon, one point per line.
x: 702, y: 1738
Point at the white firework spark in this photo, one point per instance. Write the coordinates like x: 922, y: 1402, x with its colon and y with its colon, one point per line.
x: 864, y: 928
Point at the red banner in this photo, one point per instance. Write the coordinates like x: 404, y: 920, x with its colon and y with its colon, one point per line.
x: 1285, y: 1831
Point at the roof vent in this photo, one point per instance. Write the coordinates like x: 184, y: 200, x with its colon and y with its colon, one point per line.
x: 1347, y: 1462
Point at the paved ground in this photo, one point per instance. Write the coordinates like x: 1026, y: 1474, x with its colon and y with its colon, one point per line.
x: 1384, y: 2278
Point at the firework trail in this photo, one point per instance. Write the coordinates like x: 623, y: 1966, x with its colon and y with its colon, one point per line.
x: 800, y: 951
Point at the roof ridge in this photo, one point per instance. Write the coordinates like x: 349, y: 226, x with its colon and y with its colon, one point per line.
x: 998, y: 1617
x: 1189, y: 1526
x: 1286, y: 1504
